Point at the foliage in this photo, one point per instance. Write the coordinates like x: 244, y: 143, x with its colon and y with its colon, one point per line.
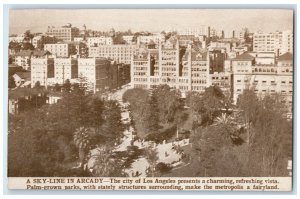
x: 152, y: 157
x: 106, y: 166
x: 159, y: 137
x: 82, y: 140
x: 206, y: 105
x: 168, y: 101
x: 163, y: 167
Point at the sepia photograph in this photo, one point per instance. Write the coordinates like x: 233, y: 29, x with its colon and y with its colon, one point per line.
x: 156, y: 96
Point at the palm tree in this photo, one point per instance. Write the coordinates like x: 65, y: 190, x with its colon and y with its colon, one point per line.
x: 224, y: 119
x: 82, y: 141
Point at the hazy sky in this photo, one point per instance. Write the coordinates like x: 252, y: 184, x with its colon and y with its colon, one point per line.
x: 151, y: 19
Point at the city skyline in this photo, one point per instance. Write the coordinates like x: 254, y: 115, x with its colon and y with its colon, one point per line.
x: 154, y: 20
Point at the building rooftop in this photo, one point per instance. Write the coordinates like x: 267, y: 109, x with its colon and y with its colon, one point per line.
x: 24, y: 75
x: 244, y: 56
x: 285, y: 57
x: 37, y: 53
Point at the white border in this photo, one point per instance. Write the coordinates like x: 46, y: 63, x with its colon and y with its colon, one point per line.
x: 142, y: 2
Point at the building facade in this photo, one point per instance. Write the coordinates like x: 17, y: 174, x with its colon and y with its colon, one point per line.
x: 97, y: 41
x: 61, y: 49
x: 165, y: 65
x: 276, y: 78
x: 119, y: 53
x: 64, y: 33
x: 277, y: 42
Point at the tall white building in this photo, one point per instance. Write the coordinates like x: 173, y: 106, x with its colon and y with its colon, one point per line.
x: 120, y: 53
x: 64, y: 68
x: 60, y: 49
x: 41, y: 70
x: 277, y: 42
x: 276, y: 78
x: 165, y: 65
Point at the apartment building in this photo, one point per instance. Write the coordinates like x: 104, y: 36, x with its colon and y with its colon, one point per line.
x: 64, y: 33
x: 119, y: 53
x: 23, y: 57
x: 64, y: 69
x: 61, y: 49
x: 277, y: 42
x: 97, y: 41
x: 41, y: 70
x: 276, y: 78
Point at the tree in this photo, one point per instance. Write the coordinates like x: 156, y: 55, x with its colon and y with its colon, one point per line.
x: 105, y: 165
x: 14, y: 46
x: 208, y: 104
x: 28, y: 36
x: 32, y: 149
x: 152, y: 157
x: 82, y: 142
x: 271, y: 143
x: 113, y: 126
x: 151, y: 116
x: 67, y: 86
x: 27, y: 46
x: 57, y: 88
x: 248, y: 104
x: 37, y: 85
x: 168, y: 102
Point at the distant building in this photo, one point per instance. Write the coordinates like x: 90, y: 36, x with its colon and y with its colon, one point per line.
x: 61, y: 49
x: 184, y: 70
x: 223, y: 81
x: 23, y: 57
x: 64, y: 33
x: 41, y: 70
x: 98, y: 41
x: 18, y: 39
x: 119, y: 53
x: 64, y: 68
x: 276, y: 78
x: 277, y: 42
x: 40, y: 40
x: 156, y: 38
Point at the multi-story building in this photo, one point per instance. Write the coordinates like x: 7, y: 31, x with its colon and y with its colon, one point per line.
x: 277, y: 42
x: 64, y: 69
x: 97, y: 41
x: 96, y: 74
x: 18, y: 39
x: 223, y: 81
x: 23, y: 57
x: 65, y: 33
x: 40, y: 40
x: 119, y: 53
x: 156, y: 38
x: 41, y: 70
x: 96, y: 71
x: 61, y: 49
x: 276, y: 78
x: 165, y: 65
